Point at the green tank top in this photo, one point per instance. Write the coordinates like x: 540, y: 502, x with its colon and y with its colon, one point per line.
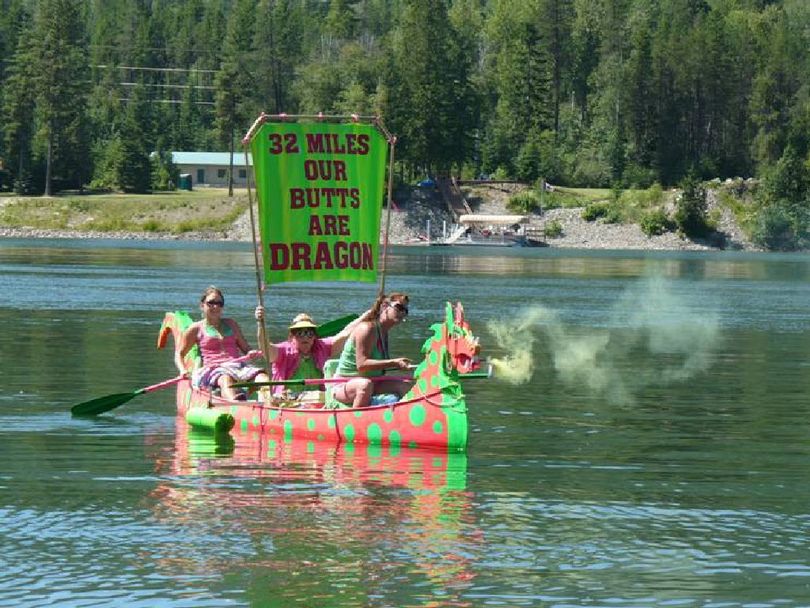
x: 347, y: 364
x: 306, y: 369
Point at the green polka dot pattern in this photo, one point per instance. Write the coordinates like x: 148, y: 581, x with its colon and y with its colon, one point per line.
x: 348, y: 432
x: 374, y: 433
x: 418, y: 415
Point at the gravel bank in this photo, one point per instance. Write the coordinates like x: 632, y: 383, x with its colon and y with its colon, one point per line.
x: 580, y: 234
x: 36, y: 233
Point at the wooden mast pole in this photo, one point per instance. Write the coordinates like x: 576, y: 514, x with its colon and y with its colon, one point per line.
x: 392, y: 140
x: 262, y: 330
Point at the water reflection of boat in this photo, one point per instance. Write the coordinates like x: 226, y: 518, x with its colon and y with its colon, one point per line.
x: 200, y: 450
x: 342, y: 515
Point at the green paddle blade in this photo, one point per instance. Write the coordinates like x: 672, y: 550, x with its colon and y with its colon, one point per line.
x: 330, y: 328
x: 99, y: 405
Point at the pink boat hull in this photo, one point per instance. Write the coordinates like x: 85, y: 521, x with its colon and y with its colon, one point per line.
x: 417, y: 423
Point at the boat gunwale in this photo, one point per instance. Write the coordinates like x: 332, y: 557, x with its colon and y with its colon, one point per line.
x: 215, y: 401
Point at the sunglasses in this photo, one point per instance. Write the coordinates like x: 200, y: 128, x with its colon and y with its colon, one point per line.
x: 304, y: 333
x: 400, y: 308
x: 214, y: 303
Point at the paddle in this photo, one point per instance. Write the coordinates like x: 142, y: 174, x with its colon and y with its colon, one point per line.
x: 99, y: 405
x: 330, y: 328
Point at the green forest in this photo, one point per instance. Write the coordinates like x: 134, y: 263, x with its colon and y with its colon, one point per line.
x: 587, y: 93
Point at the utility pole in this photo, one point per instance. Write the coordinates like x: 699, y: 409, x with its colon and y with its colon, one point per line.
x: 231, y: 122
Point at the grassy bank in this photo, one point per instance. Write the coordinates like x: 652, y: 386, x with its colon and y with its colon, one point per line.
x: 167, y: 212
x: 203, y: 212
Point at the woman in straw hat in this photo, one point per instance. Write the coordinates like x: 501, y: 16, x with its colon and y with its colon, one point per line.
x: 303, y: 354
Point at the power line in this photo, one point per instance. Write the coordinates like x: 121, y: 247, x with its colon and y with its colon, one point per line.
x: 167, y: 86
x: 144, y: 69
x: 162, y: 49
x: 171, y: 101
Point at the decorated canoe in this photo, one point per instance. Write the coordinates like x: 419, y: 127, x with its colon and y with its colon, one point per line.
x: 433, y: 414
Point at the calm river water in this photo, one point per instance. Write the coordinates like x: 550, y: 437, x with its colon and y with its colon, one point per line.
x: 652, y: 449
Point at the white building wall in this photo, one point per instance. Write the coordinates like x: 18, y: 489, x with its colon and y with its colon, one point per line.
x: 215, y: 175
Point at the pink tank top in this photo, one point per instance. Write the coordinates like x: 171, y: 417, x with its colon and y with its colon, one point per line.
x: 216, y: 348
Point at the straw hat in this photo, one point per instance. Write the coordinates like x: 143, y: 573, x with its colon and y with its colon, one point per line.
x: 303, y: 321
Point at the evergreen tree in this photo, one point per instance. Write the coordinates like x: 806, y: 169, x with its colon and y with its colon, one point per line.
x: 189, y: 128
x: 585, y: 56
x: 432, y: 83
x: 691, y: 212
x: 468, y: 20
x: 13, y: 18
x: 642, y: 118
x: 212, y: 32
x: 279, y: 35
x: 340, y: 20
x: 784, y: 222
x: 234, y: 110
x: 775, y: 85
x: 788, y: 184
x: 608, y: 106
x: 59, y: 75
x: 105, y: 108
x: 18, y: 110
x: 135, y: 172
x: 554, y: 24
x: 524, y: 106
x: 186, y: 45
x: 376, y: 18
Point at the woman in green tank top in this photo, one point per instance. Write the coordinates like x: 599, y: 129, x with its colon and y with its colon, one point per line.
x: 365, y: 354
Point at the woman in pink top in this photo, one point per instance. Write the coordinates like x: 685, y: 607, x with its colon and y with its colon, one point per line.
x: 220, y: 342
x: 303, y: 354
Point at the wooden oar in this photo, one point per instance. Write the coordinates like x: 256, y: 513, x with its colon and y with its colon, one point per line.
x: 99, y: 405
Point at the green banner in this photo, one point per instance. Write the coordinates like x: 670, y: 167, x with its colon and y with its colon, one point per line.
x: 320, y: 189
